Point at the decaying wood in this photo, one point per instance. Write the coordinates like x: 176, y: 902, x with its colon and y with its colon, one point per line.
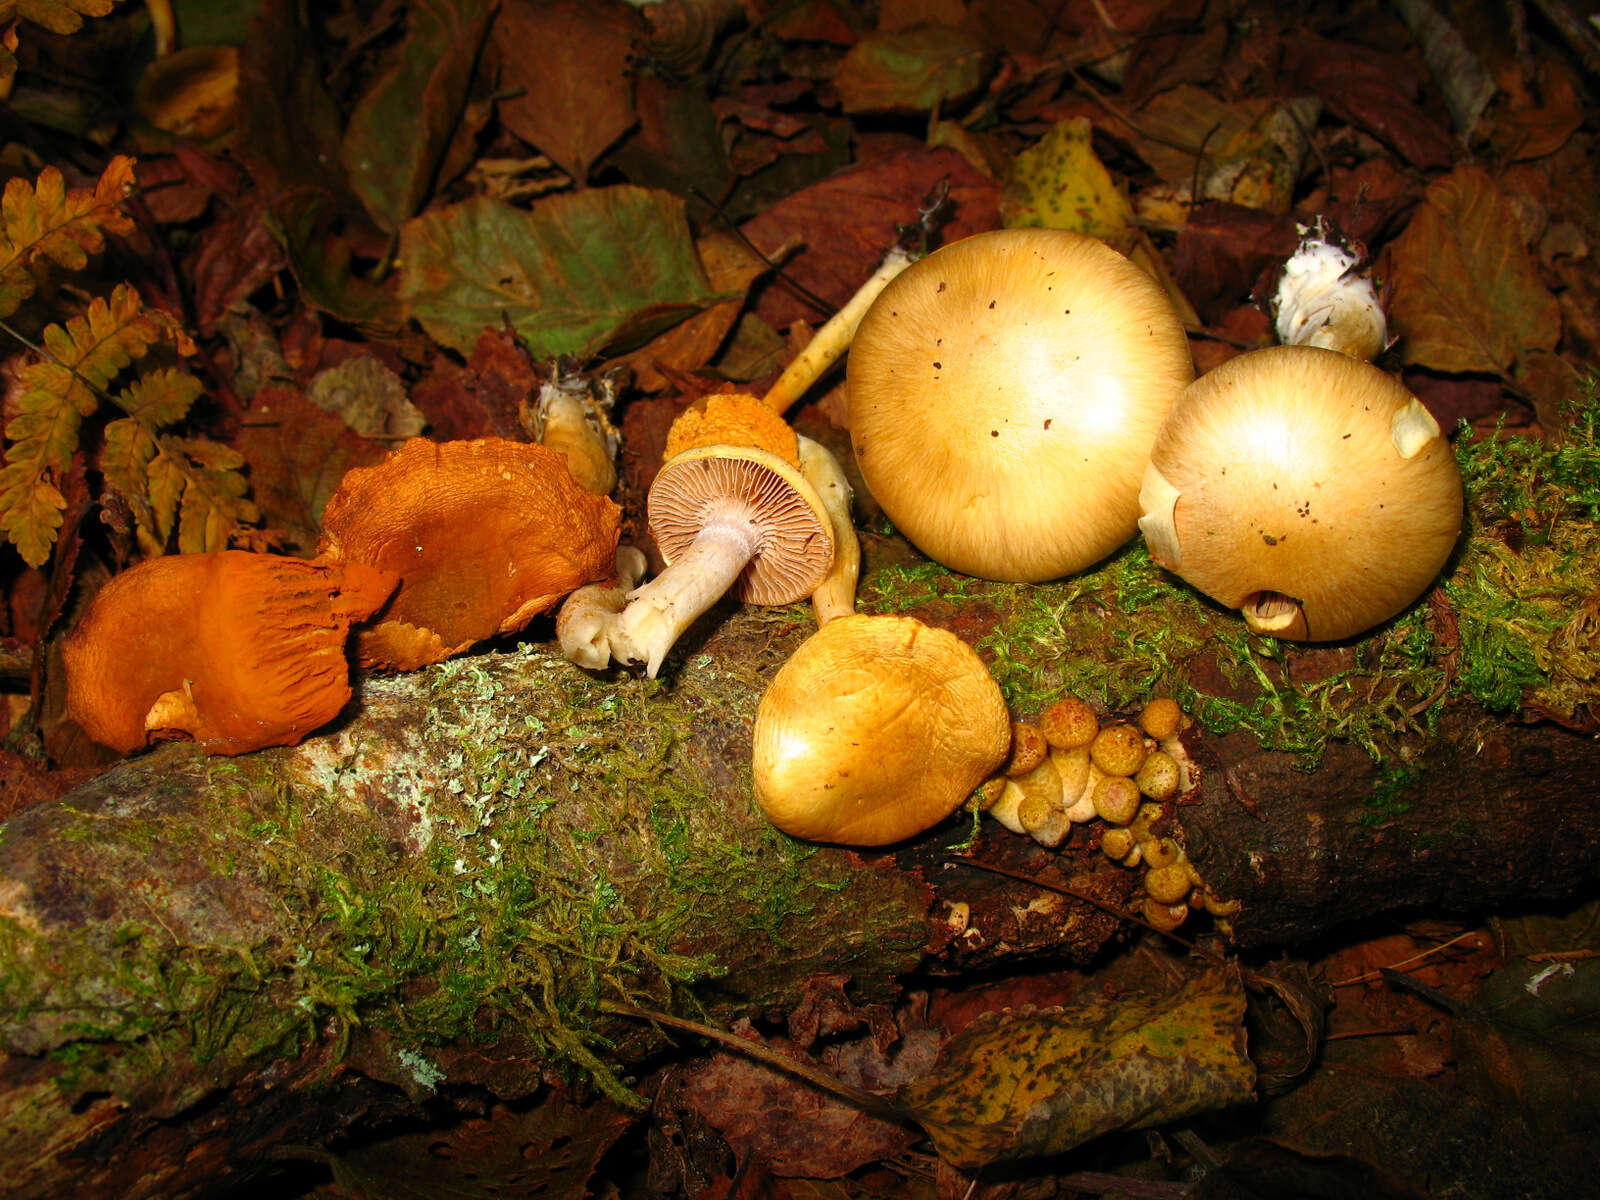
x: 183, y: 931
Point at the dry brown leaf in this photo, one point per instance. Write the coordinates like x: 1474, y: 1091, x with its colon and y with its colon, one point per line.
x: 576, y: 102
x: 1467, y: 293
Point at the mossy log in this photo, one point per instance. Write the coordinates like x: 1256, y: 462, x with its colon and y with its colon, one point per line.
x: 202, y: 958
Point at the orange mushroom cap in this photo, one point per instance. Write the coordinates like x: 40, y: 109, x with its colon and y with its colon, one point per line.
x: 732, y: 419
x: 233, y: 650
x: 484, y: 535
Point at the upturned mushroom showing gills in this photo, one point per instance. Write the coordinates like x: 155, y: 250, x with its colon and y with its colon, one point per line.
x: 724, y: 517
x: 876, y: 728
x: 484, y: 535
x: 1304, y: 487
x: 232, y: 650
x: 1004, y: 394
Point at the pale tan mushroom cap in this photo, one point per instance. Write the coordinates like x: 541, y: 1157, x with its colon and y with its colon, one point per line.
x: 787, y: 518
x: 877, y: 728
x: 1004, y: 395
x: 1296, y: 474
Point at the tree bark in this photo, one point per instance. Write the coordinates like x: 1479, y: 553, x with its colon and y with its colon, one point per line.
x: 202, y: 958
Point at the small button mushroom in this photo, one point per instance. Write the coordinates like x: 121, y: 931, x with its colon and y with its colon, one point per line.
x: 1028, y: 748
x: 1161, y: 852
x: 1168, y: 884
x: 1305, y: 488
x: 1161, y: 718
x: 1118, y: 749
x: 988, y: 793
x: 1159, y: 776
x: 1069, y: 723
x: 1078, y: 777
x: 1118, y: 843
x: 875, y: 729
x: 1116, y: 799
x: 1004, y: 394
x: 1164, y: 917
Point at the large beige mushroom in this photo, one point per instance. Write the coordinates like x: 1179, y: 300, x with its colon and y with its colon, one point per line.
x: 1004, y: 395
x: 1304, y: 487
x: 876, y: 728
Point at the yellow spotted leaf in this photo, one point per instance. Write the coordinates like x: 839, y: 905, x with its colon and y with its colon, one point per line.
x: 1029, y: 1082
x: 1060, y: 184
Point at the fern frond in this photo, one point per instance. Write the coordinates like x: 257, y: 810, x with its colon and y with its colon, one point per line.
x: 53, y: 397
x: 160, y: 397
x: 45, y: 221
x: 58, y: 16
x: 208, y: 479
x: 87, y: 352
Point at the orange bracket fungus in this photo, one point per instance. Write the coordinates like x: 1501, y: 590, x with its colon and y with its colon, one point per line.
x: 876, y: 728
x: 484, y: 535
x: 1304, y: 487
x: 1004, y: 394
x: 232, y: 650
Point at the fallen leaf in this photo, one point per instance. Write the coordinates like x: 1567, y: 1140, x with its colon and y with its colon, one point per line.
x: 402, y: 126
x: 575, y: 274
x: 1373, y: 90
x: 310, y: 226
x: 1223, y: 251
x: 549, y: 1151
x: 1467, y: 292
x: 1037, y: 1082
x: 796, y: 1129
x: 1058, y: 183
x: 482, y: 398
x: 574, y: 104
x: 847, y: 222
x: 368, y: 397
x: 297, y: 455
x: 912, y: 70
x: 233, y: 257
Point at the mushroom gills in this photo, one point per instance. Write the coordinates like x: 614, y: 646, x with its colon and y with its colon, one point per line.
x: 1274, y: 614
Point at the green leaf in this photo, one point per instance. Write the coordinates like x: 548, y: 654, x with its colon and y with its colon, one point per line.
x: 580, y: 272
x: 304, y: 221
x: 58, y: 16
x: 45, y: 221
x: 1026, y: 1082
x: 911, y: 70
x: 402, y: 126
x: 1467, y: 292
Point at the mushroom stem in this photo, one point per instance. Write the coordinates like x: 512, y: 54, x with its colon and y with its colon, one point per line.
x: 587, y: 621
x: 834, y: 338
x: 660, y: 611
x: 570, y: 419
x: 836, y: 597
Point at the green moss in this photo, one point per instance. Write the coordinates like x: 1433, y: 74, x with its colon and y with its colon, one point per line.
x: 557, y: 844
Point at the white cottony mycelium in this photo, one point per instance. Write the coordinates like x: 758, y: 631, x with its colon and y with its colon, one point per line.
x: 1323, y: 299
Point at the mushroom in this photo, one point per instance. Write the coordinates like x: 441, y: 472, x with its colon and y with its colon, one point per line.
x: 572, y: 416
x: 1004, y: 394
x: 588, y: 616
x: 836, y: 594
x: 724, y: 517
x: 232, y: 650
x: 1305, y: 488
x: 484, y: 536
x: 1324, y: 299
x: 876, y: 728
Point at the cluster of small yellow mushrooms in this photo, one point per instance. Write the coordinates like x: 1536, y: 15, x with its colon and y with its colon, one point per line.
x: 1068, y: 768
